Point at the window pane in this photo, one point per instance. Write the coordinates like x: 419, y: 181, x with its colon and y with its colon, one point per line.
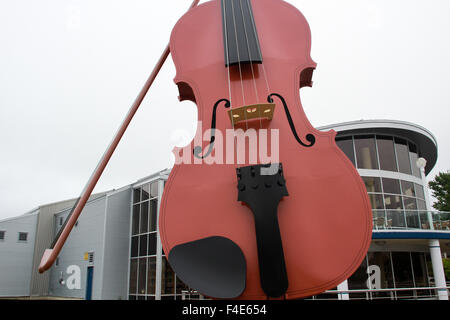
x: 376, y: 201
x: 144, y: 217
x: 136, y: 195
x: 143, y: 245
x: 151, y: 275
x: 379, y: 219
x: 393, y: 202
x: 135, y: 225
x: 412, y: 219
x: 145, y: 191
x: 401, y: 148
x: 154, y: 189
x: 153, y: 214
x: 410, y: 203
x: 152, y: 243
x: 386, y: 153
x: 133, y: 275
x: 421, y: 205
x: 408, y: 188
x: 134, y: 246
x: 380, y: 273
x: 23, y: 236
x: 142, y: 275
x: 391, y: 186
x: 373, y: 184
x: 346, y: 145
x: 181, y: 286
x: 358, y: 280
x: 366, y: 156
x: 425, y: 224
x: 419, y: 191
x: 420, y: 273
x: 167, y: 278
x: 402, y: 272
x: 395, y: 219
x: 413, y: 156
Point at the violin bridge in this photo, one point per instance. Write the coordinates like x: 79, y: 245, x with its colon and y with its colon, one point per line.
x: 254, y: 111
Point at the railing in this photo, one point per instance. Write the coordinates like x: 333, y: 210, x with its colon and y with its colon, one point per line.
x: 417, y: 293
x: 410, y: 219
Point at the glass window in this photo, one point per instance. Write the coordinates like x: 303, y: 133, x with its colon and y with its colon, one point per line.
x: 391, y: 186
x: 23, y: 236
x: 167, y: 278
x: 403, y: 274
x: 143, y: 245
x: 419, y: 191
x: 408, y: 188
x: 421, y: 205
x: 393, y: 201
x: 366, y: 156
x: 380, y: 273
x: 151, y: 275
x: 386, y: 153
x: 358, y: 281
x: 144, y: 217
x: 373, y: 184
x: 142, y: 280
x: 395, y: 218
x: 420, y: 273
x: 153, y: 214
x: 379, y: 219
x: 425, y: 224
x: 346, y: 145
x: 135, y: 222
x: 2, y: 235
x: 401, y: 148
x: 413, y: 156
x: 376, y: 201
x: 152, y: 243
x: 410, y: 203
x: 136, y: 195
x: 133, y: 275
x: 154, y: 189
x: 145, y: 191
x: 412, y: 219
x: 181, y: 286
x: 134, y: 246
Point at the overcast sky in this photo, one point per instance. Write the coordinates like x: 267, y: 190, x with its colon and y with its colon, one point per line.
x: 69, y: 71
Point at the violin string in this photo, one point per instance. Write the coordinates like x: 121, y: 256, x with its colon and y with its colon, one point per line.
x: 229, y: 78
x: 262, y: 64
x: 228, y: 59
x: 239, y: 62
x: 251, y: 62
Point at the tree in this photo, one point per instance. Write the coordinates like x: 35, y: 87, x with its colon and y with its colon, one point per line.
x: 440, y: 187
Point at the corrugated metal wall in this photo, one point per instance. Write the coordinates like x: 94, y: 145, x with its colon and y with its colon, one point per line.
x: 44, y: 236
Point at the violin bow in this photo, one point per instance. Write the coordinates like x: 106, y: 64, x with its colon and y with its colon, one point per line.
x: 50, y: 255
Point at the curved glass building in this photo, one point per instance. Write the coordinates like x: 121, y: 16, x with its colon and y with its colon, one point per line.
x: 404, y: 260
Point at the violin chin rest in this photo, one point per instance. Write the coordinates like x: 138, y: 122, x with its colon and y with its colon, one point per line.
x: 215, y: 266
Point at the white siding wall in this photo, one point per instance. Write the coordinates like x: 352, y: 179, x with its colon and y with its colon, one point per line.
x: 16, y: 257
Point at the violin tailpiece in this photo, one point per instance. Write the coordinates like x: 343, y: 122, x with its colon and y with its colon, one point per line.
x: 262, y: 192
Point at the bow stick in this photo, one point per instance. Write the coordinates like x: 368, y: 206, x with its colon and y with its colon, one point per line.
x: 49, y: 256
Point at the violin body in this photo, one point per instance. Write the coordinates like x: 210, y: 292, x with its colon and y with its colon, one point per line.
x: 325, y: 222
